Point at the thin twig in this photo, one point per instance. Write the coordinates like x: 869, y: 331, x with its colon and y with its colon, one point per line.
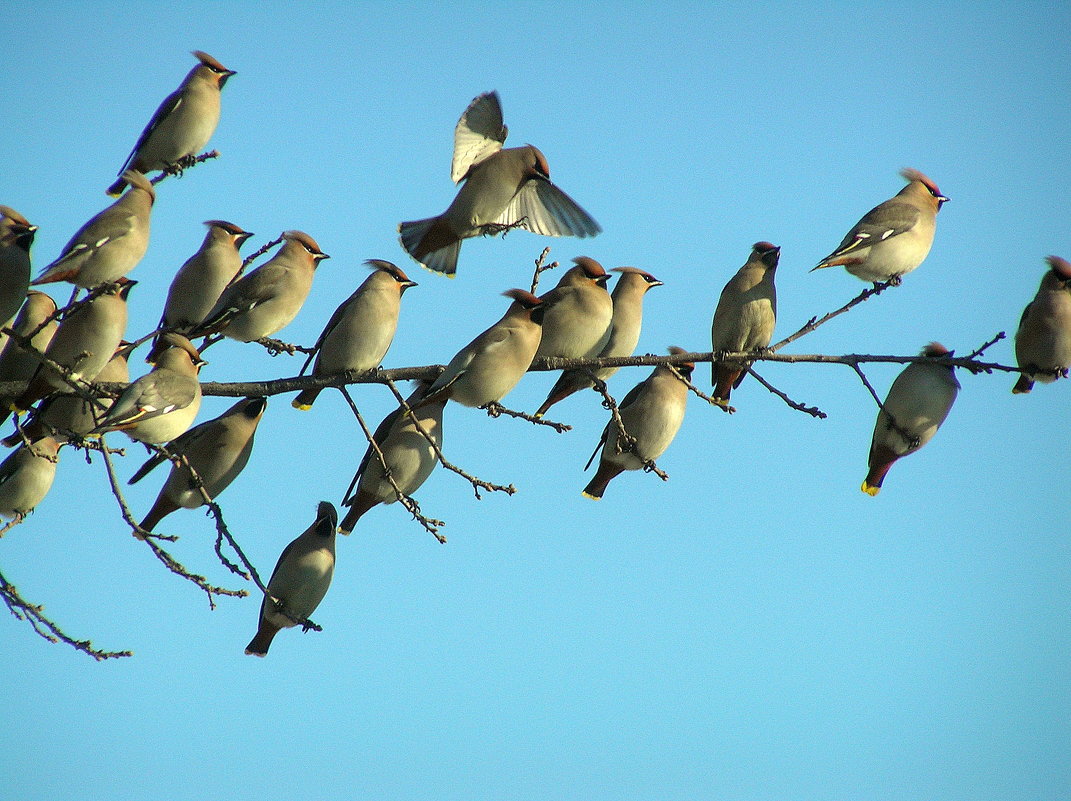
x: 813, y: 323
x: 608, y: 402
x: 496, y: 409
x: 540, y: 268
x: 813, y: 411
x: 179, y: 167
x: 913, y: 442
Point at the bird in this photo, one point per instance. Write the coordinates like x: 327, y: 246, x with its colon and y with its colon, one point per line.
x: 26, y: 476
x: 111, y: 244
x: 67, y: 416
x: 16, y: 362
x: 577, y: 313
x: 163, y: 403
x: 84, y: 342
x: 917, y: 404
x: 652, y: 413
x: 264, y: 301
x: 183, y: 123
x: 485, y: 370
x: 202, y: 278
x: 894, y: 237
x: 217, y: 450
x: 1043, y: 340
x: 300, y: 580
x: 407, y: 453
x: 360, y: 331
x: 503, y: 188
x: 744, y: 318
x: 16, y: 237
x: 625, y: 326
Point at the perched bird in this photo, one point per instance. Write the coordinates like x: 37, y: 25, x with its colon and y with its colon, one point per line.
x: 265, y: 300
x: 652, y: 413
x: 300, y: 579
x: 745, y: 317
x: 360, y: 331
x: 16, y: 362
x: 577, y: 313
x: 503, y: 188
x: 111, y: 244
x: 486, y: 369
x: 66, y: 415
x: 163, y: 403
x: 1043, y: 341
x: 183, y: 123
x: 84, y: 342
x: 625, y: 326
x: 895, y: 236
x: 918, y: 402
x: 202, y: 278
x: 16, y: 237
x: 218, y: 451
x: 26, y: 476
x: 406, y: 451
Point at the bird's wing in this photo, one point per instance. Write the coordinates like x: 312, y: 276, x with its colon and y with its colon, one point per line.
x: 479, y: 133
x: 379, y: 437
x: 890, y: 219
x: 180, y: 445
x: 158, y: 393
x: 542, y: 208
x: 245, y: 294
x: 169, y: 106
x: 113, y: 223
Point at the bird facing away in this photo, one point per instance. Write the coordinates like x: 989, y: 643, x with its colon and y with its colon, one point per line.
x: 217, y: 450
x: 745, y: 317
x: 183, y: 123
x: 16, y: 237
x: 486, y: 369
x: 502, y: 188
x: 625, y: 327
x: 300, y: 579
x: 16, y: 362
x: 84, y: 342
x: 1043, y: 340
x: 111, y: 244
x: 360, y: 331
x: 918, y: 402
x: 652, y: 413
x: 26, y: 476
x: 162, y: 404
x: 202, y: 278
x: 67, y: 416
x: 406, y: 451
x: 577, y: 313
x: 894, y: 237
x: 264, y: 301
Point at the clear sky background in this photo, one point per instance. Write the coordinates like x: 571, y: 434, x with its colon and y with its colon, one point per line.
x: 755, y: 628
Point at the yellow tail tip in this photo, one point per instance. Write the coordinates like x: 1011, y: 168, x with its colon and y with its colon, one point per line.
x: 304, y: 407
x: 870, y: 490
x: 343, y: 531
x: 587, y: 494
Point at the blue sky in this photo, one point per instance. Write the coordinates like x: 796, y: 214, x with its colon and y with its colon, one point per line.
x: 755, y: 628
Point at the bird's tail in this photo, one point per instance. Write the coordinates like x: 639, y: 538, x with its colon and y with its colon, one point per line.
x: 432, y: 243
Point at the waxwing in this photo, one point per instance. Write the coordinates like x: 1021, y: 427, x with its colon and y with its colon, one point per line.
x: 625, y: 326
x: 162, y: 404
x: 652, y: 413
x: 16, y: 237
x: 408, y: 454
x: 1043, y: 341
x: 202, y: 278
x: 918, y: 402
x: 16, y: 362
x: 111, y: 244
x: 360, y: 331
x: 262, y: 302
x: 486, y: 369
x: 218, y: 451
x: 745, y: 317
x: 894, y: 237
x: 183, y: 123
x: 503, y: 188
x: 577, y: 313
x: 300, y: 579
x: 26, y: 476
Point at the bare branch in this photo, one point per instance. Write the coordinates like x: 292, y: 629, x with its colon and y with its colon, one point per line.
x: 180, y: 166
x: 813, y: 411
x: 813, y: 323
x: 540, y: 268
x: 496, y: 409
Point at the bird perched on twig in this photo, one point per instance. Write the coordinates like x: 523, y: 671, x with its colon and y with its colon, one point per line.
x: 26, y: 476
x: 894, y: 237
x: 917, y: 404
x: 360, y: 331
x: 16, y: 237
x: 503, y: 188
x: 300, y: 580
x: 577, y: 313
x: 1043, y: 340
x: 183, y: 123
x: 745, y: 317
